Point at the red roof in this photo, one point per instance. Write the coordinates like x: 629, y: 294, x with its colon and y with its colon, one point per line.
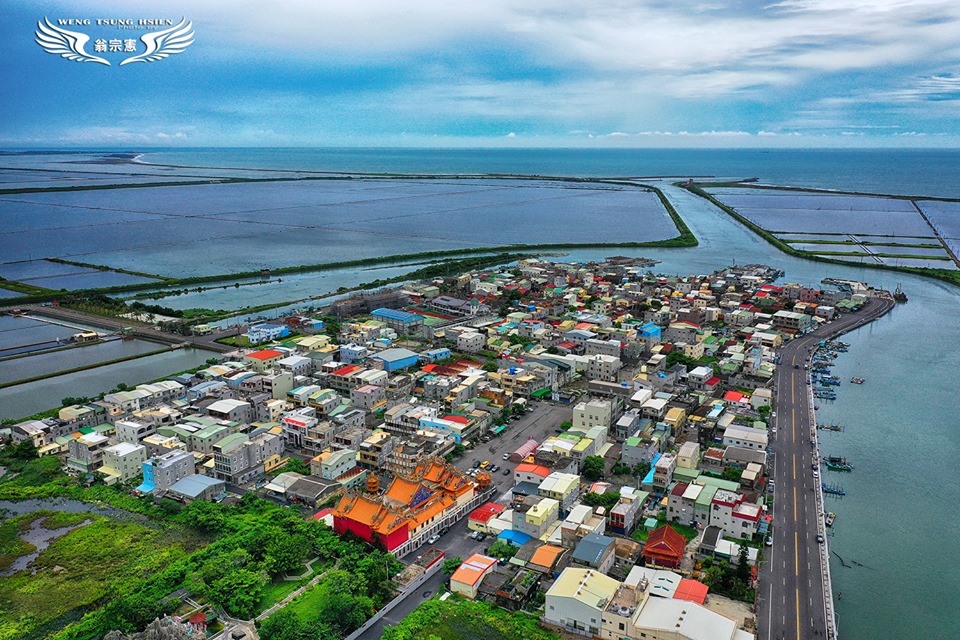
x: 665, y: 544
x: 691, y: 590
x: 485, y: 513
x: 350, y: 368
x: 679, y: 488
x: 733, y: 396
x: 319, y: 515
x: 266, y: 354
x: 459, y: 419
x: 429, y: 368
x: 712, y: 381
x: 198, y: 618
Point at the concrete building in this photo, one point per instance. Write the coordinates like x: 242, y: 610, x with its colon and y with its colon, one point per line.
x: 603, y: 367
x: 161, y: 472
x: 123, y: 461
x: 533, y: 517
x: 577, y: 600
x: 594, y: 551
x: 197, y: 487
x: 736, y: 436
x: 562, y: 487
x: 396, y: 359
x: 593, y: 413
x: 466, y: 580
x: 239, y: 460
x: 86, y: 452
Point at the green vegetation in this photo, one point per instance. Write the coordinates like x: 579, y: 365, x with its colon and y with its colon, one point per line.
x: 461, y: 619
x: 592, y: 468
x: 11, y: 545
x: 450, y: 565
x: 607, y: 500
x: 502, y: 549
x: 733, y: 582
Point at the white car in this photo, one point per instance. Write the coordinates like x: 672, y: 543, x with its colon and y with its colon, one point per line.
x: 433, y: 539
x: 816, y: 474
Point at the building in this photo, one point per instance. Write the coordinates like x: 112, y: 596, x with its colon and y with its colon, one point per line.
x: 736, y: 436
x: 258, y: 334
x: 562, y: 487
x: 86, y: 452
x: 594, y: 551
x: 123, y: 461
x: 593, y: 413
x: 163, y: 471
x: 373, y: 452
x: 403, y: 322
x: 230, y: 410
x: 577, y: 600
x: 197, y: 487
x: 239, y: 460
x: 603, y: 367
x: 413, y: 506
x: 466, y: 580
x: 481, y: 516
x: 664, y: 548
x: 263, y: 361
x: 534, y: 516
x: 396, y: 359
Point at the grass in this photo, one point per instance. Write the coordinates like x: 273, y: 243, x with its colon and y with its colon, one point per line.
x: 278, y: 589
x: 460, y: 619
x: 86, y: 567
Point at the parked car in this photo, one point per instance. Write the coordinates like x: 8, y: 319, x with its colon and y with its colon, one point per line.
x: 482, y: 537
x: 816, y: 474
x: 819, y: 538
x: 768, y: 540
x: 506, y: 456
x: 433, y: 539
x: 494, y: 468
x: 476, y: 464
x: 506, y: 472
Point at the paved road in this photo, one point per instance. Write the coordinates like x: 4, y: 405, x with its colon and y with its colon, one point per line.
x: 793, y: 599
x: 539, y: 423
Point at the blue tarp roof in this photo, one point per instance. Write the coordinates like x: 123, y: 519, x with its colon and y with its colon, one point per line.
x: 516, y: 538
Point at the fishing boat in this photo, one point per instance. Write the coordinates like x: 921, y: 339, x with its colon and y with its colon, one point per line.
x: 830, y: 518
x: 837, y: 463
x: 833, y: 490
x: 857, y: 380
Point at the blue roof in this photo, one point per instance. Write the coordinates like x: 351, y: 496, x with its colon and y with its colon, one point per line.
x: 396, y: 314
x: 516, y: 538
x: 648, y: 479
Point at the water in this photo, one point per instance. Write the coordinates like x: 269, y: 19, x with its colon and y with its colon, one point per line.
x: 899, y: 516
x: 42, y: 364
x: 27, y: 399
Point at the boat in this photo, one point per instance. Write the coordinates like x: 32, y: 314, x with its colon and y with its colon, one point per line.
x: 830, y: 518
x: 857, y: 380
x: 837, y: 463
x: 830, y: 427
x: 899, y: 295
x: 833, y: 490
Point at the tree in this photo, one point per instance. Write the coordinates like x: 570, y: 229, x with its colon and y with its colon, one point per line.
x: 239, y: 592
x: 743, y: 566
x: 286, y: 553
x: 502, y: 549
x: 25, y: 450
x: 607, y: 500
x: 296, y: 465
x: 451, y: 564
x: 204, y: 516
x: 592, y: 468
x: 287, y: 625
x: 566, y: 424
x: 552, y: 349
x: 732, y: 474
x: 490, y: 367
x: 641, y: 469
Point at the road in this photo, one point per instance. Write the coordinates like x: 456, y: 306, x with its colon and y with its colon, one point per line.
x: 793, y: 598
x: 539, y: 423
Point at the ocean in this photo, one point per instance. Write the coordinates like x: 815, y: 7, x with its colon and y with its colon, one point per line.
x: 902, y: 431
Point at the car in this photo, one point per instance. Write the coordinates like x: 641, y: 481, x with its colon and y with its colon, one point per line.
x: 819, y: 538
x: 506, y: 456
x: 433, y: 539
x: 796, y: 366
x: 814, y: 466
x: 482, y: 537
x: 474, y: 535
x: 816, y: 474
x: 476, y: 464
x: 484, y: 464
x: 770, y: 486
x: 494, y: 468
x: 506, y: 472
x: 768, y: 540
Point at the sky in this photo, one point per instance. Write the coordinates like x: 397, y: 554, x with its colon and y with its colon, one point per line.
x: 531, y: 73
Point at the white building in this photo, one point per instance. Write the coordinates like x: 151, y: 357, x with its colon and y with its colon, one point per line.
x: 123, y: 461
x: 602, y: 367
x: 736, y: 436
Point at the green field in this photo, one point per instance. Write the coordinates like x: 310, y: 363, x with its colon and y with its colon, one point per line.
x: 460, y: 619
x: 86, y: 567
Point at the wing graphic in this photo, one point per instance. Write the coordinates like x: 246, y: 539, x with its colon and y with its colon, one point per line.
x: 161, y: 44
x: 66, y: 44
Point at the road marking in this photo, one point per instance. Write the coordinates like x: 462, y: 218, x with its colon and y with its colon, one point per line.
x: 796, y: 553
x: 794, y: 504
x: 794, y: 466
x: 797, y: 591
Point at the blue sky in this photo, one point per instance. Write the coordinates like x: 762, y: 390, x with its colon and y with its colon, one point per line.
x: 651, y: 73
